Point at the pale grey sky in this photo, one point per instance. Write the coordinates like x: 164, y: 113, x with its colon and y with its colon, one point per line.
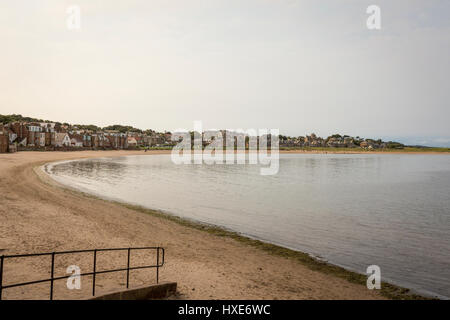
x: 300, y: 66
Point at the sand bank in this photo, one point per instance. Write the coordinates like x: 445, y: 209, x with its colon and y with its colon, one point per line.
x: 36, y: 215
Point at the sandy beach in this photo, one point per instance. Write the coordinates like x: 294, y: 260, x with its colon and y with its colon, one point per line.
x: 36, y: 215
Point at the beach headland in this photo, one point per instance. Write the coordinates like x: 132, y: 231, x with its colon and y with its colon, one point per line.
x: 38, y: 215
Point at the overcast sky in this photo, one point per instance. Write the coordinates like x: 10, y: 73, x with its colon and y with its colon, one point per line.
x: 300, y: 66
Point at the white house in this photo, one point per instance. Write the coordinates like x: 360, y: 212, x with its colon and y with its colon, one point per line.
x: 132, y: 142
x: 34, y: 128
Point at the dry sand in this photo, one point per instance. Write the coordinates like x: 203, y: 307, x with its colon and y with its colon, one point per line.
x: 38, y: 216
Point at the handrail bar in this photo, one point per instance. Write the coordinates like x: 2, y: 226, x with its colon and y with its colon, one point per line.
x: 93, y: 274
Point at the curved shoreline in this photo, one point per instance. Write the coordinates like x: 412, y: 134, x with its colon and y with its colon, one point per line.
x: 295, y: 275
x: 309, y: 259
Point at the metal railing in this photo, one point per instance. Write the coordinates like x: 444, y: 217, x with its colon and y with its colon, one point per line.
x: 52, y: 279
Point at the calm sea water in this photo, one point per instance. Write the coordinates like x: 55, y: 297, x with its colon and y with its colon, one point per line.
x: 352, y: 210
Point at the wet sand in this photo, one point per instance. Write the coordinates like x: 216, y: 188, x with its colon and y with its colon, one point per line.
x: 37, y: 215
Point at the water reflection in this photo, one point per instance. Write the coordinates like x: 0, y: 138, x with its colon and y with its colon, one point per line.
x: 354, y: 210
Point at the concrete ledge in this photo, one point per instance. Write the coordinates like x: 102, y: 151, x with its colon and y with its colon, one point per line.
x: 157, y: 291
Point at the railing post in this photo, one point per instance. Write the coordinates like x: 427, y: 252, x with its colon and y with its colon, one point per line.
x: 95, y: 268
x: 52, y: 275
x: 157, y: 265
x: 128, y: 268
x: 2, y: 258
x: 52, y: 271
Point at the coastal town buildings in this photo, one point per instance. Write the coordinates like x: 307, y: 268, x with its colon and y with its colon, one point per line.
x: 132, y: 142
x: 76, y: 140
x: 61, y: 139
x: 21, y: 135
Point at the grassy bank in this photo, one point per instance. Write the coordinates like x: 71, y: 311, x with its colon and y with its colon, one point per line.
x: 361, y: 150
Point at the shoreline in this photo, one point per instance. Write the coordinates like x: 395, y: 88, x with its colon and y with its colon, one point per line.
x: 295, y: 266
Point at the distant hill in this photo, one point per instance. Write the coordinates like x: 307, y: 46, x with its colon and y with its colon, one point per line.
x: 18, y: 117
x: 122, y: 129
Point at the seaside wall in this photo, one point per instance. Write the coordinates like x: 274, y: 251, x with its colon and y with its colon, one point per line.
x: 157, y: 291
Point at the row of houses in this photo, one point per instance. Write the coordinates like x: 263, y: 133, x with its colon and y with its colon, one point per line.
x: 334, y: 141
x: 52, y: 136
